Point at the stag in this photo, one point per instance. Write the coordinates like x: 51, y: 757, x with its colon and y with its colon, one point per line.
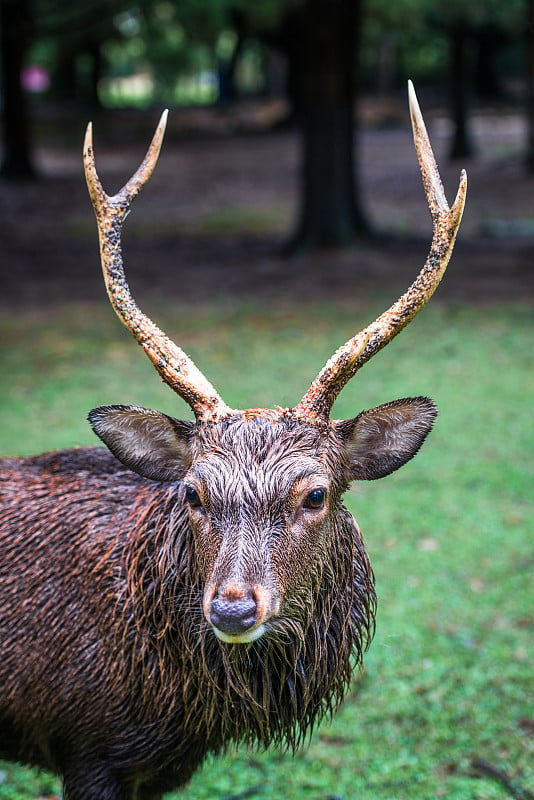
x: 199, y: 582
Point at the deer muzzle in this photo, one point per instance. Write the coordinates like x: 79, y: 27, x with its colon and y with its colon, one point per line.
x: 237, y: 611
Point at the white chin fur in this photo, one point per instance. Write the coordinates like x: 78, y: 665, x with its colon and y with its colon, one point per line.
x: 240, y: 638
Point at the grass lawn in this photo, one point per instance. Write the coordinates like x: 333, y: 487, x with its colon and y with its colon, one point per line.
x: 445, y: 707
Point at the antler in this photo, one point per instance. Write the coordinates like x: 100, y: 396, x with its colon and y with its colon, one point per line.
x: 317, y: 403
x: 174, y: 366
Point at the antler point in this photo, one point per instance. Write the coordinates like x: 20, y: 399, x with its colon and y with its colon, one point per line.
x: 88, y: 139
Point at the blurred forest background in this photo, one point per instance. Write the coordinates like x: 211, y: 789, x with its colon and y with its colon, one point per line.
x: 285, y: 213
x: 310, y: 94
x: 325, y: 74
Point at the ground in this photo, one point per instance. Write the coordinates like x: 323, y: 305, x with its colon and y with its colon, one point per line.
x: 219, y: 209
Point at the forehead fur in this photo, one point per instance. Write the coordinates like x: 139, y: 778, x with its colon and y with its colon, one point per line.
x: 258, y: 448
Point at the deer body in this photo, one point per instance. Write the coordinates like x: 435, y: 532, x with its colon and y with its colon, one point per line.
x: 126, y: 672
x: 70, y: 702
x: 202, y: 583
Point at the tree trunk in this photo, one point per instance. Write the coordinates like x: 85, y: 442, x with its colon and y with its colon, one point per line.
x: 529, y: 80
x: 331, y: 214
x: 15, y: 30
x: 489, y: 41
x: 462, y: 146
x: 226, y: 74
x: 227, y: 66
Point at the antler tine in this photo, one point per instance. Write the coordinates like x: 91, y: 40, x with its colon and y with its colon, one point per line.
x: 174, y: 366
x: 317, y: 403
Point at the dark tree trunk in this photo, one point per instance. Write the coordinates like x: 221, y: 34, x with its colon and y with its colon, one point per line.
x: 462, y: 146
x: 529, y: 80
x: 489, y: 40
x: 226, y: 75
x: 331, y: 214
x: 289, y: 39
x: 15, y: 30
x: 227, y: 67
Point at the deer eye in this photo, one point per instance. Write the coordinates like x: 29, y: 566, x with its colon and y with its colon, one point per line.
x: 315, y: 499
x: 191, y: 495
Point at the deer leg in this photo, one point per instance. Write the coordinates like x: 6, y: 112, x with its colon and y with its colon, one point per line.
x: 93, y: 782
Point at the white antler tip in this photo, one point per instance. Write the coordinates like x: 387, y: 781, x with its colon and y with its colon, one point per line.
x: 88, y: 140
x: 459, y: 202
x: 162, y: 124
x: 415, y: 110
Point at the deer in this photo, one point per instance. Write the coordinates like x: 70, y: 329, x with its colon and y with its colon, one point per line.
x: 195, y: 583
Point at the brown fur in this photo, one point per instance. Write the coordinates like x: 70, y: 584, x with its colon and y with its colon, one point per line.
x: 110, y: 672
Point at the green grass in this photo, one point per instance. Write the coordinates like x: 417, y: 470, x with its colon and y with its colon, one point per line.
x: 449, y: 677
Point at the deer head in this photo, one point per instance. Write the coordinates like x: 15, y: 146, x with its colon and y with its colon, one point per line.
x: 263, y: 488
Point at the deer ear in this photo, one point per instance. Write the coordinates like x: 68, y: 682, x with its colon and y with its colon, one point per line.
x: 148, y: 442
x: 379, y: 441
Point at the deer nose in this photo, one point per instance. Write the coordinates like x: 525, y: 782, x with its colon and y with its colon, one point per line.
x: 233, y: 614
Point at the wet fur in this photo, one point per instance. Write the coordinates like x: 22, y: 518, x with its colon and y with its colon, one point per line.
x: 110, y: 673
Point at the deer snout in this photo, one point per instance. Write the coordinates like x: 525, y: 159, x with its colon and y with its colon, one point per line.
x: 233, y: 616
x: 236, y: 613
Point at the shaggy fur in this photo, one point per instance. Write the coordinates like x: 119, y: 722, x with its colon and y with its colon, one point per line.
x: 111, y: 675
